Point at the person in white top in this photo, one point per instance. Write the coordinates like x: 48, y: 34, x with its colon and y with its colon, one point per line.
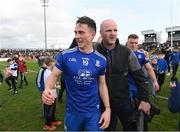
x: 11, y: 75
x: 49, y: 113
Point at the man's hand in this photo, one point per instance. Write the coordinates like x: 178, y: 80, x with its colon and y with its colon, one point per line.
x: 145, y: 107
x: 156, y: 86
x: 105, y: 118
x: 47, y: 97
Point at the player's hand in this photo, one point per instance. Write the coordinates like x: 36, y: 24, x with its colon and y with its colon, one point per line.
x: 47, y: 97
x: 105, y: 118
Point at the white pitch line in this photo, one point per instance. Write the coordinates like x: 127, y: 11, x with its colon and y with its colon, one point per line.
x: 162, y: 97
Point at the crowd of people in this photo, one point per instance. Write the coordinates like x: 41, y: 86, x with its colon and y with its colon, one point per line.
x: 104, y: 81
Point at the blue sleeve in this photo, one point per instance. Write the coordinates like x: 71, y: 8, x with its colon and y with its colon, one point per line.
x: 133, y: 62
x: 59, y: 62
x: 146, y: 59
x: 103, y: 68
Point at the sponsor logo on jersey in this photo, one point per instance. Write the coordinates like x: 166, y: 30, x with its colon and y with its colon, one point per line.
x: 84, y: 73
x: 72, y: 59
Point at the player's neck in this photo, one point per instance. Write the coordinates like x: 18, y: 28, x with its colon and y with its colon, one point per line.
x: 86, y: 49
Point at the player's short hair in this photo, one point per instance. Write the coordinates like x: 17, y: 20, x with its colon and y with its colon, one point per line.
x: 87, y: 20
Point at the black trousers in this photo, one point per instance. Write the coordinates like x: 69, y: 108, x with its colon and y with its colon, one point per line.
x: 11, y: 81
x: 174, y: 69
x: 49, y: 112
x: 124, y: 111
x: 161, y: 78
x: 1, y: 77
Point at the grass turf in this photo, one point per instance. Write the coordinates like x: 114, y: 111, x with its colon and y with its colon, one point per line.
x: 23, y: 111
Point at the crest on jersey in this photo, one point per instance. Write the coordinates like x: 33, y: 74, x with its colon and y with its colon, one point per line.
x: 97, y: 63
x: 139, y: 56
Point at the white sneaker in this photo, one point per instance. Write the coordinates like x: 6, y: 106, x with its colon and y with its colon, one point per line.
x: 168, y: 74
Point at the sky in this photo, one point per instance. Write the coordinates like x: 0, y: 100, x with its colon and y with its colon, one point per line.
x: 22, y: 21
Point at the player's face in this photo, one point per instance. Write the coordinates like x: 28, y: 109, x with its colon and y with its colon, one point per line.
x: 133, y: 44
x: 84, y: 35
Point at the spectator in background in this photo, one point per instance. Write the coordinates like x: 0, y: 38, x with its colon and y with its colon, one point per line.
x: 16, y: 59
x: 162, y: 64
x: 167, y: 53
x: 22, y: 71
x: 40, y: 82
x: 49, y: 110
x: 175, y: 59
x: 155, y: 69
x: 143, y: 59
x: 40, y: 60
x: 11, y: 75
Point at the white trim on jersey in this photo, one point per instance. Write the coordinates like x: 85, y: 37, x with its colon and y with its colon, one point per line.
x: 98, y: 54
x: 69, y: 50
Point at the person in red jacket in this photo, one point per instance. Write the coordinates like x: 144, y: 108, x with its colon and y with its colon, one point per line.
x: 22, y: 70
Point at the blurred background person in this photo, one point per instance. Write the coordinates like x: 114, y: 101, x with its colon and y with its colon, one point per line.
x: 22, y: 71
x: 162, y: 64
x: 11, y: 75
x: 175, y: 59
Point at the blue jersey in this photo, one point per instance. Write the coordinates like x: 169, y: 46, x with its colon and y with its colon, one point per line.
x: 175, y: 57
x: 162, y: 64
x: 81, y: 72
x: 142, y: 59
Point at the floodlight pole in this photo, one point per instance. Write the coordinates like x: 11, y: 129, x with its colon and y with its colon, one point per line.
x: 44, y: 5
x: 171, y: 23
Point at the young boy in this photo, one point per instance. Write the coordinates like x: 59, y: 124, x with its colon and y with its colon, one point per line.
x: 49, y: 110
x: 11, y: 75
x: 162, y: 64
